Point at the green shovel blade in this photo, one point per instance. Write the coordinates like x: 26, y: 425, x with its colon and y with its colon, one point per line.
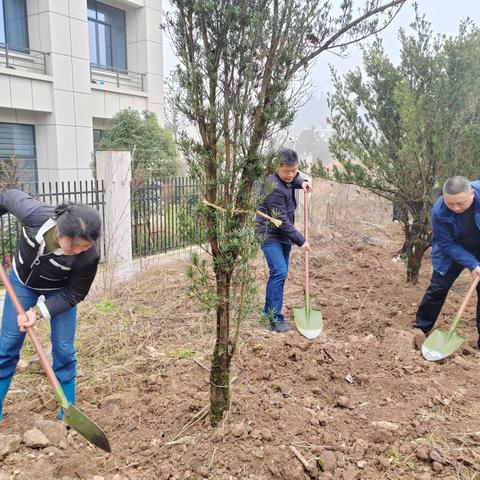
x: 440, y: 344
x: 87, y: 428
x: 308, y: 321
x: 77, y: 420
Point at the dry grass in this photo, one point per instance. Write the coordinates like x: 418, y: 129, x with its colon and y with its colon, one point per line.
x: 123, y: 330
x: 129, y: 330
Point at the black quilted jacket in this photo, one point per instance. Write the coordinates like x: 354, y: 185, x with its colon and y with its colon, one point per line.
x: 71, y: 275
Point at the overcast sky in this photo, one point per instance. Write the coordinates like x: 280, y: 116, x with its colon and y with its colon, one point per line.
x: 444, y: 15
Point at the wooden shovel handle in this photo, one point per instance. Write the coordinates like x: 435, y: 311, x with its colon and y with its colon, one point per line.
x: 305, y: 222
x: 33, y: 337
x: 464, y: 304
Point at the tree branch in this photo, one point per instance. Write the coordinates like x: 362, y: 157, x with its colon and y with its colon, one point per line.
x: 356, y: 40
x: 328, y: 44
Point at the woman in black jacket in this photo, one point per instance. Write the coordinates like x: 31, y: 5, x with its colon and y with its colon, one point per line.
x: 52, y: 271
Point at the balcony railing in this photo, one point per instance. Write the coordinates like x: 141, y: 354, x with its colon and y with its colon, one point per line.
x: 23, y: 59
x: 117, y: 77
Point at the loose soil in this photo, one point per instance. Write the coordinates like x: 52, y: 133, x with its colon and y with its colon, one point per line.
x: 357, y: 402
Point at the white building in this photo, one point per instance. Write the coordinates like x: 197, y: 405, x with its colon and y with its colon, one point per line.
x: 66, y: 67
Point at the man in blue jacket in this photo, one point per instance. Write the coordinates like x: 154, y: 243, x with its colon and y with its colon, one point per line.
x: 280, y: 204
x: 455, y: 246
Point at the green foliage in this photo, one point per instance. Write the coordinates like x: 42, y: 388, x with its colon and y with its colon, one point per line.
x: 317, y: 170
x: 202, y: 283
x: 153, y: 148
x: 105, y: 306
x: 401, y: 130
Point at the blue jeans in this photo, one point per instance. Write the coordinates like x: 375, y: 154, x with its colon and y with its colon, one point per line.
x: 277, y: 256
x: 63, y: 327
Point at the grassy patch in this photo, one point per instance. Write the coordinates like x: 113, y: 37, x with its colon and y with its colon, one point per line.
x: 105, y: 306
x: 182, y: 354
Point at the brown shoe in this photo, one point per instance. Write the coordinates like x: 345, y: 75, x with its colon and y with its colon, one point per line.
x: 418, y: 338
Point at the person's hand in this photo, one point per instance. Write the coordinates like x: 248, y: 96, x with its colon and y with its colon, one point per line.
x: 476, y: 272
x: 305, y: 247
x: 307, y: 185
x: 28, y: 320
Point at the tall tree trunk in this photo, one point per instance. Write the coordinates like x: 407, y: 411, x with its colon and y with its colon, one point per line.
x: 220, y: 371
x: 418, y: 237
x: 415, y: 254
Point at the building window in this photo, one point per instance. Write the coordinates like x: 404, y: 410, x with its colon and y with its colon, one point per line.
x: 18, y: 152
x: 97, y: 138
x: 14, y: 24
x: 107, y: 36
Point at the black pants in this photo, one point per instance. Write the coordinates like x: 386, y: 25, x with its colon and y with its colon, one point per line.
x: 434, y: 298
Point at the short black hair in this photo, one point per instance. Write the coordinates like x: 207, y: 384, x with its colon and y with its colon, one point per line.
x: 288, y: 157
x: 78, y: 221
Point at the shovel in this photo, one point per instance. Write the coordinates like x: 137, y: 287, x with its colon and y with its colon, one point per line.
x: 440, y: 343
x: 308, y: 320
x: 72, y: 415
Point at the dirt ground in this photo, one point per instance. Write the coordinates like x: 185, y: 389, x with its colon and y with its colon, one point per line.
x: 357, y: 402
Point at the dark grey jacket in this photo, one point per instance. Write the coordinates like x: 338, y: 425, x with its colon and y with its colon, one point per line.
x: 281, y: 204
x: 71, y: 274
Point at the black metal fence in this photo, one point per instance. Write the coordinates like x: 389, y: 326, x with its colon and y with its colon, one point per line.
x: 86, y: 192
x: 157, y: 206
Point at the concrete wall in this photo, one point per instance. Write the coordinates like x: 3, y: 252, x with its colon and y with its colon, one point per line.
x: 145, y: 50
x: 63, y: 104
x: 115, y: 170
x: 106, y: 101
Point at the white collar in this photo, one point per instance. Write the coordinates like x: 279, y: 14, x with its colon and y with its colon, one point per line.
x: 43, y: 229
x: 50, y: 223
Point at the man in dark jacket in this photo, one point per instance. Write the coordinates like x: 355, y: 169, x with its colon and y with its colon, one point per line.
x: 455, y: 246
x: 280, y: 204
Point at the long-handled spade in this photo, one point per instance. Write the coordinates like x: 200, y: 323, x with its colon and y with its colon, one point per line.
x: 440, y: 343
x: 72, y: 415
x: 308, y: 320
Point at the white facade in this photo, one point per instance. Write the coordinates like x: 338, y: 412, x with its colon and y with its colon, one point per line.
x: 54, y: 86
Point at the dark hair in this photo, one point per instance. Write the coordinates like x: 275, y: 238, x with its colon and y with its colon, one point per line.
x: 78, y: 221
x: 288, y: 157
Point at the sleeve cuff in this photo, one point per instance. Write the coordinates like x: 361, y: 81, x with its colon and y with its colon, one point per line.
x: 300, y: 241
x: 43, y: 308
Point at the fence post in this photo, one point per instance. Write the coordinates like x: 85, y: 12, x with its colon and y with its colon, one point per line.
x: 114, y: 168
